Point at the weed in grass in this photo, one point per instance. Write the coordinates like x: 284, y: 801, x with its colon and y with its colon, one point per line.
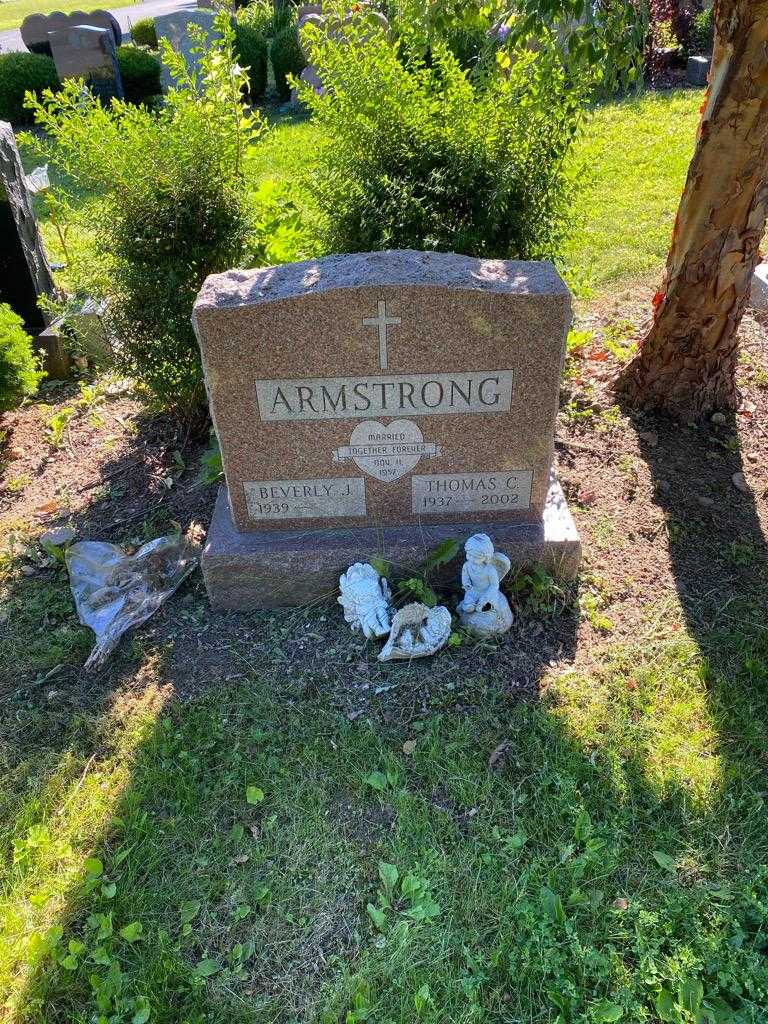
x: 594, y: 598
x: 743, y: 552
x: 618, y: 339
x: 15, y: 484
x: 56, y: 423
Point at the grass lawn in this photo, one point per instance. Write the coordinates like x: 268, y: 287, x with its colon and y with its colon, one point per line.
x: 632, y: 160
x: 13, y: 12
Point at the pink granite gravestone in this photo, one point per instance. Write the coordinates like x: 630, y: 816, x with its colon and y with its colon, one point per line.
x: 375, y: 404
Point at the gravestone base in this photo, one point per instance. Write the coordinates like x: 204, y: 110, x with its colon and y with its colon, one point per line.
x: 277, y: 569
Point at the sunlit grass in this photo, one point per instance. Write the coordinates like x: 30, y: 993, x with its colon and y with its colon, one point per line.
x: 649, y: 710
x: 55, y: 828
x: 632, y: 158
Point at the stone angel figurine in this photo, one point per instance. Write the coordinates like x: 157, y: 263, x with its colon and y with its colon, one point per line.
x: 484, y: 609
x: 365, y: 597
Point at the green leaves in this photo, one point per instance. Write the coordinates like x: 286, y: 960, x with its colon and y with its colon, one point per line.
x: 607, y: 1013
x: 94, y: 867
x: 143, y: 1011
x: 254, y: 795
x: 132, y: 932
x: 389, y: 875
x: 207, y: 967
x: 445, y: 552
x: 376, y: 780
x: 382, y: 567
x: 552, y: 905
x: 665, y: 861
x: 378, y: 916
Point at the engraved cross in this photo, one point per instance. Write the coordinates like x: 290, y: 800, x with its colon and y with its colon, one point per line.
x: 382, y: 321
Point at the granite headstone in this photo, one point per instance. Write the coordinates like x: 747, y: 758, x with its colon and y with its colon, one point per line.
x: 175, y: 28
x: 83, y: 51
x: 375, y: 403
x: 24, y: 270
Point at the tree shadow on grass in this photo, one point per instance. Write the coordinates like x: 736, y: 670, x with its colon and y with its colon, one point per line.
x: 718, y: 555
x: 248, y: 838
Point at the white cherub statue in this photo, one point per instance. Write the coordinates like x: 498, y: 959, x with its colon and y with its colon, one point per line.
x: 365, y: 598
x: 484, y: 609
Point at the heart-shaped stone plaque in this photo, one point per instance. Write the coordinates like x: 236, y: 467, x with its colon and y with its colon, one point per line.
x: 387, y: 452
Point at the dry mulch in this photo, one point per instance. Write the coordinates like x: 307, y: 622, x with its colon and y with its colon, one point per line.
x: 672, y: 535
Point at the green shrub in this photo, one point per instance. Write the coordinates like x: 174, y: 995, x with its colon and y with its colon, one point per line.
x: 20, y: 372
x: 251, y: 49
x: 169, y: 206
x: 701, y: 38
x: 261, y: 15
x: 143, y: 33
x: 20, y: 72
x: 287, y: 59
x: 140, y: 72
x: 416, y: 157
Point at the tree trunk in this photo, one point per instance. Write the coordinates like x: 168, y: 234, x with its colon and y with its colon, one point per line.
x: 686, y: 364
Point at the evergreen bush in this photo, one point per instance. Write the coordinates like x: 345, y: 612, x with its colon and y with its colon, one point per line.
x: 143, y: 33
x: 20, y: 372
x: 140, y: 72
x: 251, y: 49
x: 287, y: 58
x: 19, y: 73
x: 701, y: 38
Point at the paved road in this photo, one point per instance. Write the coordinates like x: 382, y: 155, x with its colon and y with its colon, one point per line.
x: 11, y: 39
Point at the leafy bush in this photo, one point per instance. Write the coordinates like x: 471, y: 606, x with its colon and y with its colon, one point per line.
x: 416, y: 157
x: 143, y: 33
x: 140, y: 72
x: 169, y: 206
x: 702, y: 35
x: 251, y: 49
x: 261, y: 15
x: 287, y: 59
x: 20, y: 72
x: 20, y: 372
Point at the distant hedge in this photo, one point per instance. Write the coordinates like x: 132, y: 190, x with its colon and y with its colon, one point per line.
x: 140, y: 72
x: 18, y: 73
x: 287, y: 58
x: 143, y: 33
x: 251, y: 48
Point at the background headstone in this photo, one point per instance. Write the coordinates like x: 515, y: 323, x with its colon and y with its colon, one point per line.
x: 173, y: 27
x: 378, y: 399
x: 758, y: 296
x: 36, y: 27
x: 24, y: 270
x: 83, y: 51
x: 697, y: 70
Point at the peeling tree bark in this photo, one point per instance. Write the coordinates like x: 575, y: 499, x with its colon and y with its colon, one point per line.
x: 686, y: 364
